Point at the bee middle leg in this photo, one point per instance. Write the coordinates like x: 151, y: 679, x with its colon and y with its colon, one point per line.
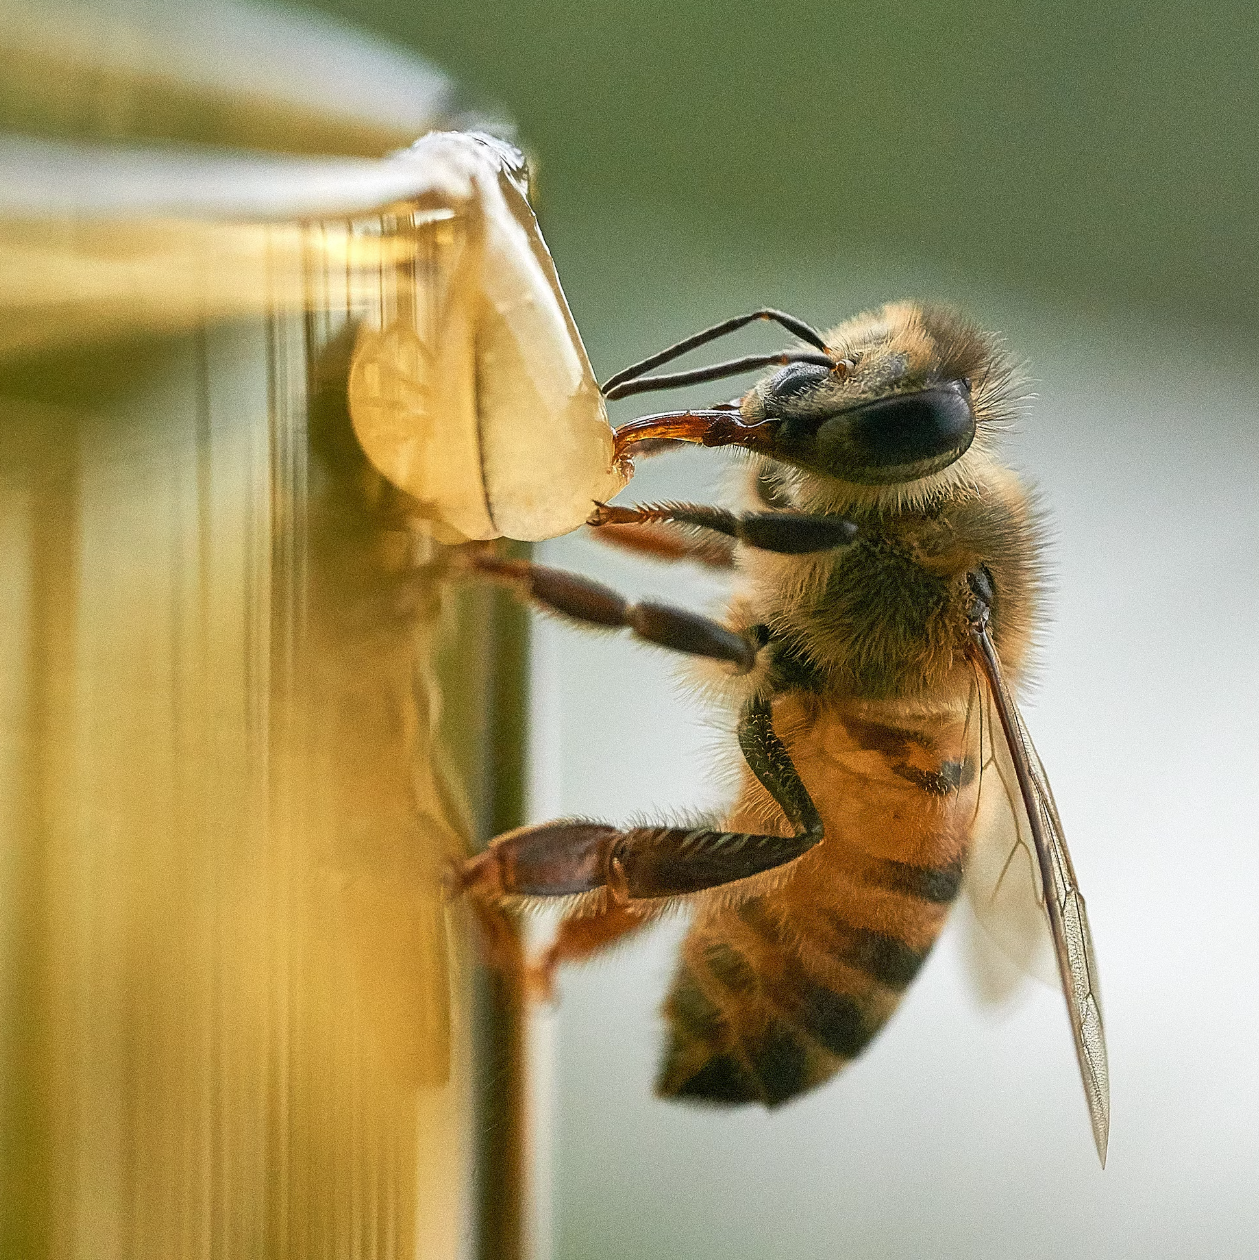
x: 593, y: 604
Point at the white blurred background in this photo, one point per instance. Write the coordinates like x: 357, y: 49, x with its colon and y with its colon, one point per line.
x: 962, y: 1132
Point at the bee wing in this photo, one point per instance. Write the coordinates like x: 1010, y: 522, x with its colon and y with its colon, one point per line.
x: 1021, y: 880
x: 1012, y: 937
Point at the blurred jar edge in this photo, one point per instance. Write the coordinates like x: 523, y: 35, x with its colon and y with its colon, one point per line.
x: 105, y: 239
x: 259, y: 77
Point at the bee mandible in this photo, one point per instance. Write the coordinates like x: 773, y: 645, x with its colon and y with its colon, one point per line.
x: 888, y: 586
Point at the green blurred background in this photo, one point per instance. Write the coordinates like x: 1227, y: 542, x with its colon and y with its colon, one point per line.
x: 1104, y: 152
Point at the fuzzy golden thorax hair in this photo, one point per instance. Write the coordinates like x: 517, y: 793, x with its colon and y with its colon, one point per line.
x: 888, y: 615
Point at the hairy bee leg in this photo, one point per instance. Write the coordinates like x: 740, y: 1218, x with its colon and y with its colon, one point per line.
x: 568, y: 857
x: 578, y: 938
x: 769, y: 760
x: 595, y: 604
x: 662, y: 542
x: 788, y: 533
x: 564, y: 858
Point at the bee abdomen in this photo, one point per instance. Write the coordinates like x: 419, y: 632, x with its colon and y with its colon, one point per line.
x: 776, y: 993
x: 708, y: 1062
x: 885, y: 959
x: 759, y: 1013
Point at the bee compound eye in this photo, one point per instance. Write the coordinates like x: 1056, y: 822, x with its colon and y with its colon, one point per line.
x: 898, y: 437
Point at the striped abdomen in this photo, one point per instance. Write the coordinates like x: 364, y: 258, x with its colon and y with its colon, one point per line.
x: 774, y: 994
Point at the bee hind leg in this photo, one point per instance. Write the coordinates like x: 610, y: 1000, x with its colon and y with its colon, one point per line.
x: 635, y: 871
x: 571, y: 857
x: 579, y: 937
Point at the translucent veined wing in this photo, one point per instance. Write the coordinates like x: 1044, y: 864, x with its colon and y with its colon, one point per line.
x: 1020, y: 852
x: 1012, y: 937
x: 469, y: 387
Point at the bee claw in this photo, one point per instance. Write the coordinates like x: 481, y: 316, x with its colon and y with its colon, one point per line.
x: 452, y: 880
x: 540, y: 980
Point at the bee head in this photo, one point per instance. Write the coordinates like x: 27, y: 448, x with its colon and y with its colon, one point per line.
x: 911, y: 388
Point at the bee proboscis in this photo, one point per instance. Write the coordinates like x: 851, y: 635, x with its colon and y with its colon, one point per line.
x: 888, y: 582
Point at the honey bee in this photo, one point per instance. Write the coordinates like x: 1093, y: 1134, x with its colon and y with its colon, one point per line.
x: 889, y: 578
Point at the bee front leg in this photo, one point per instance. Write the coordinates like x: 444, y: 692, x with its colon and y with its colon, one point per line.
x: 664, y: 541
x: 788, y: 533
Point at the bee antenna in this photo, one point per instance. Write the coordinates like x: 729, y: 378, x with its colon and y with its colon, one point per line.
x: 715, y: 372
x: 797, y: 327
